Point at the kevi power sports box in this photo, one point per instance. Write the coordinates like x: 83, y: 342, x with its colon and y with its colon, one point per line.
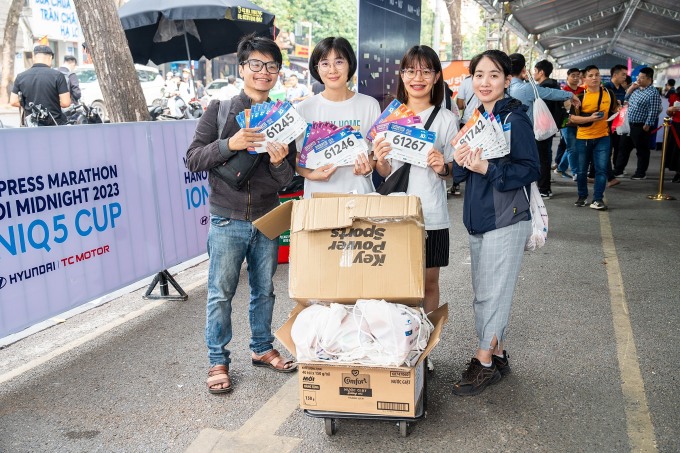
x: 349, y: 247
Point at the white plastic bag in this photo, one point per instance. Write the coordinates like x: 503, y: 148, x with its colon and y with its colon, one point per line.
x: 396, y: 328
x: 372, y: 332
x: 544, y: 124
x: 624, y: 127
x: 539, y: 219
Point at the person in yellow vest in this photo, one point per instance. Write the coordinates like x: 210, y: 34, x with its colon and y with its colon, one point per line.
x: 592, y: 136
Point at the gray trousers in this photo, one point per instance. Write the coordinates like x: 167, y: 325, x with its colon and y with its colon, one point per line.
x: 496, y: 258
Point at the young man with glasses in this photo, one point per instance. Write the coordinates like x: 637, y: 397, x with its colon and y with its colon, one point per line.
x: 232, y: 236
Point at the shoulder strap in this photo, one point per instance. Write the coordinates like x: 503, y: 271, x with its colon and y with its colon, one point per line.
x: 222, y: 114
x: 431, y: 118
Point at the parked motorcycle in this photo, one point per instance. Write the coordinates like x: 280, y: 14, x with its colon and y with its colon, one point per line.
x: 37, y: 115
x: 82, y: 114
x: 160, y: 109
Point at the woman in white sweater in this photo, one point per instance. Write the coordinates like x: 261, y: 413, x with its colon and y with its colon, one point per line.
x: 333, y: 62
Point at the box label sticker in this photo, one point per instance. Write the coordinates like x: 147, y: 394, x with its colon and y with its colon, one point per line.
x: 356, y: 384
x: 392, y: 406
x: 311, y: 386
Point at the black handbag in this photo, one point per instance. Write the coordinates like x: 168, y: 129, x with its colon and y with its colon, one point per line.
x: 238, y: 170
x: 398, y: 181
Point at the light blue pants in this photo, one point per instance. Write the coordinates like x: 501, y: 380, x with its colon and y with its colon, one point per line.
x: 496, y: 258
x: 229, y: 243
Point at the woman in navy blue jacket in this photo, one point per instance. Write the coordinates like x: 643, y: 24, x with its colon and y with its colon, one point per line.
x: 496, y: 215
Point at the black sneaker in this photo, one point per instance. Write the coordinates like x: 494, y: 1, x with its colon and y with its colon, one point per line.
x: 476, y: 378
x: 502, y: 363
x: 599, y: 205
x: 676, y: 178
x: 581, y: 202
x: 455, y: 189
x: 638, y: 177
x: 546, y: 195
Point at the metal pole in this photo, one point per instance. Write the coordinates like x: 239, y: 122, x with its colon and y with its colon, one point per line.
x: 192, y: 83
x: 660, y: 195
x: 309, y: 56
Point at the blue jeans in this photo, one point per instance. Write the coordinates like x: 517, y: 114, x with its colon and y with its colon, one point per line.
x: 229, y: 243
x: 599, y: 149
x: 569, y: 159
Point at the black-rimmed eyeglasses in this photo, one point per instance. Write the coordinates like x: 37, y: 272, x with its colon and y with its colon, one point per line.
x: 257, y: 65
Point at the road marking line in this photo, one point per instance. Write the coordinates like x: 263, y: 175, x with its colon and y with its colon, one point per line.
x: 638, y: 420
x: 90, y: 336
x: 257, y: 433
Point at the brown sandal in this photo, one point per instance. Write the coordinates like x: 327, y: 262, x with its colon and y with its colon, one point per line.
x: 219, y: 374
x: 281, y: 366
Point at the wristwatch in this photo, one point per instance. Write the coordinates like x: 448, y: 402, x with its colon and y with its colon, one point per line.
x: 446, y: 173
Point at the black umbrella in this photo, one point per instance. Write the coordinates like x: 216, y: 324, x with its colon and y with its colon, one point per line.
x: 172, y: 30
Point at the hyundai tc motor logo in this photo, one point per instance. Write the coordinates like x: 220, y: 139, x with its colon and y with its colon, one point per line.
x: 3, y: 282
x: 204, y: 220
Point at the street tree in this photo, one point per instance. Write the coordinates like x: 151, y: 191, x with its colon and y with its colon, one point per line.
x: 9, y: 47
x: 334, y: 18
x: 112, y: 60
x: 453, y: 7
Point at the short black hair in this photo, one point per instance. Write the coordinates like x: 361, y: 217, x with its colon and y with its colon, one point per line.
x: 616, y: 68
x: 517, y: 63
x: 341, y: 47
x: 629, y: 80
x: 70, y: 58
x: 649, y: 72
x: 570, y: 71
x: 427, y: 58
x: 545, y: 66
x: 671, y: 82
x: 590, y: 67
x: 253, y: 43
x: 499, y: 58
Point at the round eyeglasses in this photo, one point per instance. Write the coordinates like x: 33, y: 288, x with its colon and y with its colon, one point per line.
x: 325, y: 66
x: 411, y: 73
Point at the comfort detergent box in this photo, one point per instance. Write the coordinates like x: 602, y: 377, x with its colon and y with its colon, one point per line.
x: 349, y: 247
x: 363, y: 389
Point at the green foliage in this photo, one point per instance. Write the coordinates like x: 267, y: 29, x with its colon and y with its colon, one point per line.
x: 474, y: 43
x: 329, y: 18
x: 427, y: 24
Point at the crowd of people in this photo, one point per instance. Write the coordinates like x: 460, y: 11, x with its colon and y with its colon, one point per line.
x: 496, y: 206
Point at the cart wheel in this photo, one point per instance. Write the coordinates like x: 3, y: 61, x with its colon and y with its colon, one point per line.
x: 331, y: 426
x: 403, y: 428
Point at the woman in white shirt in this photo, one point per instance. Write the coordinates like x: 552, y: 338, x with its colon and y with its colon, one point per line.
x: 333, y: 62
x: 421, y: 88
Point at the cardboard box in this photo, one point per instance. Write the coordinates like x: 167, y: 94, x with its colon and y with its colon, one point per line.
x: 349, y: 247
x: 362, y: 389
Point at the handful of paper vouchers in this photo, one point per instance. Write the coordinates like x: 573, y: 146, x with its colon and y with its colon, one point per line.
x: 278, y: 121
x: 485, y: 131
x: 325, y: 143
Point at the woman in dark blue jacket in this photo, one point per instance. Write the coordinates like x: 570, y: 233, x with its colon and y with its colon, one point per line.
x: 496, y: 215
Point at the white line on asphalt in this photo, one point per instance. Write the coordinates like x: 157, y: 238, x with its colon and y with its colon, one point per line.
x: 90, y: 336
x: 638, y: 419
x: 258, y: 432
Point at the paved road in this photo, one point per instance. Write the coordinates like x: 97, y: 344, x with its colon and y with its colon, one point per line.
x: 592, y: 344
